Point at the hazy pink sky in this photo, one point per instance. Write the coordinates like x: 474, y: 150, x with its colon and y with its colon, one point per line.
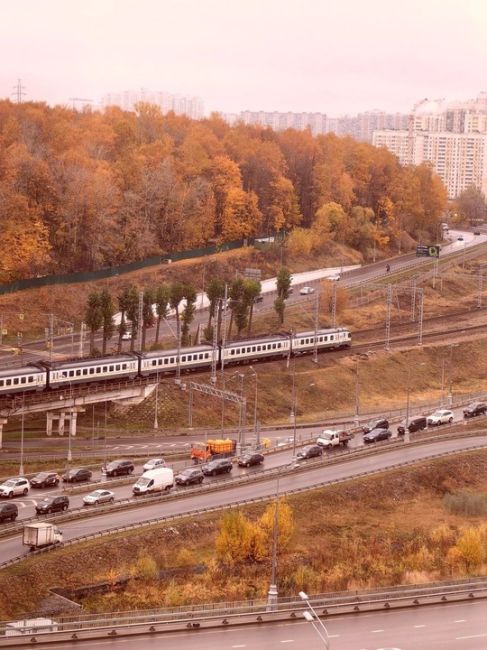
x: 331, y: 56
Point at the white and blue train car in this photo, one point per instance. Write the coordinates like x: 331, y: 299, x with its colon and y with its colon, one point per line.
x: 22, y: 380
x: 253, y: 350
x: 166, y: 361
x: 66, y: 373
x: 304, y: 342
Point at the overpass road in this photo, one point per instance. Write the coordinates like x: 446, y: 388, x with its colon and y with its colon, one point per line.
x: 458, y: 626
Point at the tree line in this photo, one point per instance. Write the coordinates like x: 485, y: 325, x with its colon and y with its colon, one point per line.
x: 141, y: 309
x: 80, y: 191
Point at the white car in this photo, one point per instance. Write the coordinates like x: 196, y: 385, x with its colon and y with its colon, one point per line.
x: 14, y: 487
x: 153, y: 463
x: 305, y: 291
x: 334, y: 277
x: 440, y: 417
x: 99, y: 496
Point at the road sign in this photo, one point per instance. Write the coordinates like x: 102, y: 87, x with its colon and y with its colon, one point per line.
x: 428, y: 250
x: 253, y: 274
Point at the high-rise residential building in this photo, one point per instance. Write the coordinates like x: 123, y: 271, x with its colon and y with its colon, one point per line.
x: 316, y: 122
x: 181, y: 105
x: 452, y: 136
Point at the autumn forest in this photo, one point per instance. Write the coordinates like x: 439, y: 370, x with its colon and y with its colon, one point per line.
x: 86, y: 190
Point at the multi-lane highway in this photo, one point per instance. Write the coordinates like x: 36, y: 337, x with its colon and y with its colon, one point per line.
x: 12, y: 547
x: 456, y: 626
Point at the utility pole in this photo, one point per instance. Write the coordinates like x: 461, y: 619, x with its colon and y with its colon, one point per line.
x: 388, y: 317
x: 481, y: 280
x: 317, y: 324
x: 51, y: 335
x: 82, y: 340
x: 421, y: 312
x: 19, y: 91
x: 141, y: 321
x: 334, y: 305
x: 156, y: 422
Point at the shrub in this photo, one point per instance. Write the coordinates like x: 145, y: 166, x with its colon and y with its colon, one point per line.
x: 144, y: 567
x: 466, y: 504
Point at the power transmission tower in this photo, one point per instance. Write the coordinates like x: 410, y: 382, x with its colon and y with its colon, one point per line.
x: 18, y: 91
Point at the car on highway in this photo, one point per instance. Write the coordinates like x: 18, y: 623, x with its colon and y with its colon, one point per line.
x: 77, y: 475
x: 218, y: 466
x: 45, y: 479
x: 58, y: 503
x: 460, y: 238
x: 310, y: 451
x: 376, y: 435
x: 476, y: 232
x: 305, y: 291
x: 8, y: 512
x: 99, y: 496
x: 472, y: 410
x: 441, y: 416
x: 415, y: 424
x: 118, y: 468
x: 14, y: 487
x: 247, y: 460
x: 154, y: 463
x: 190, y: 476
x: 380, y: 423
x: 334, y: 277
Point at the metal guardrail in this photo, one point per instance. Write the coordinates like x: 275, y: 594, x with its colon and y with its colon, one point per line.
x: 238, y: 504
x: 224, y: 614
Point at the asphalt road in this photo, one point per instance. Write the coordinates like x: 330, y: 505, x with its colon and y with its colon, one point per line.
x: 12, y: 547
x: 457, y: 626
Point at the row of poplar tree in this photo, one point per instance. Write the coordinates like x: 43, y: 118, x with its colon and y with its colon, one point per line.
x: 143, y: 309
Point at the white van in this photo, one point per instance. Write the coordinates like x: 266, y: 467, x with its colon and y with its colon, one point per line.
x: 155, y: 480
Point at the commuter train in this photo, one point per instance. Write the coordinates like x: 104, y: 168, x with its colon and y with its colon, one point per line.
x: 46, y: 375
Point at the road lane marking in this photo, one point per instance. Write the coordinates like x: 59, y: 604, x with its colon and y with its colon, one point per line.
x: 375, y: 631
x: 461, y: 620
x: 471, y: 636
x: 419, y: 626
x: 288, y: 641
x: 239, y: 646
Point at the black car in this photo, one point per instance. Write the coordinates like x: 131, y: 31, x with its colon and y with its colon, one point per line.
x: 250, y: 459
x: 377, y: 434
x: 119, y: 467
x: 416, y: 424
x: 219, y: 466
x: 311, y: 451
x: 190, y: 476
x: 77, y: 474
x: 477, y: 408
x: 52, y: 504
x: 8, y: 512
x: 381, y: 423
x: 45, y: 479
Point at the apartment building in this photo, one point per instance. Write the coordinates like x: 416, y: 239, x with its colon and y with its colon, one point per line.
x: 181, y: 105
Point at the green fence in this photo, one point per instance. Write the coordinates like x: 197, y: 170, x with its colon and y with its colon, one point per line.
x: 90, y: 276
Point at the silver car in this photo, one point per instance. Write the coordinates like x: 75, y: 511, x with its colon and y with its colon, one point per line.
x: 99, y: 496
x: 14, y: 487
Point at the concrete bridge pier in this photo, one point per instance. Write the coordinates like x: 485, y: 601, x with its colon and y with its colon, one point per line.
x: 2, y: 422
x: 70, y: 414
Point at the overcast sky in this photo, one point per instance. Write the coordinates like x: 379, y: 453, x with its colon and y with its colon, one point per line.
x: 332, y: 56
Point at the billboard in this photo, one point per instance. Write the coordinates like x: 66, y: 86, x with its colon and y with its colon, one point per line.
x: 428, y: 250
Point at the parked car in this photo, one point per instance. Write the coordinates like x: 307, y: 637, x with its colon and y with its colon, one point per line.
x: 460, y: 238
x: 477, y: 408
x: 45, y: 479
x: 381, y: 423
x: 218, y: 466
x: 119, y: 467
x: 305, y: 291
x: 99, y: 496
x: 14, y: 487
x: 153, y: 463
x: 190, y: 476
x: 48, y: 505
x: 8, y: 512
x: 476, y: 232
x: 377, y: 434
x: 77, y: 474
x: 259, y: 298
x: 440, y: 417
x: 310, y: 451
x: 416, y: 424
x: 246, y: 460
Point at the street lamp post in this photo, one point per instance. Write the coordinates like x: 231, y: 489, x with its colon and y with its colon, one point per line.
x: 357, y: 395
x: 70, y: 455
x: 312, y: 617
x: 272, y: 593
x: 255, y: 401
x: 156, y: 422
x: 21, y: 468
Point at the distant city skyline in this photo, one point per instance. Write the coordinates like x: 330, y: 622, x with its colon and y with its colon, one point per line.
x: 284, y: 55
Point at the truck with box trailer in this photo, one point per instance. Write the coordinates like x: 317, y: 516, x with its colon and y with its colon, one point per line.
x: 40, y: 535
